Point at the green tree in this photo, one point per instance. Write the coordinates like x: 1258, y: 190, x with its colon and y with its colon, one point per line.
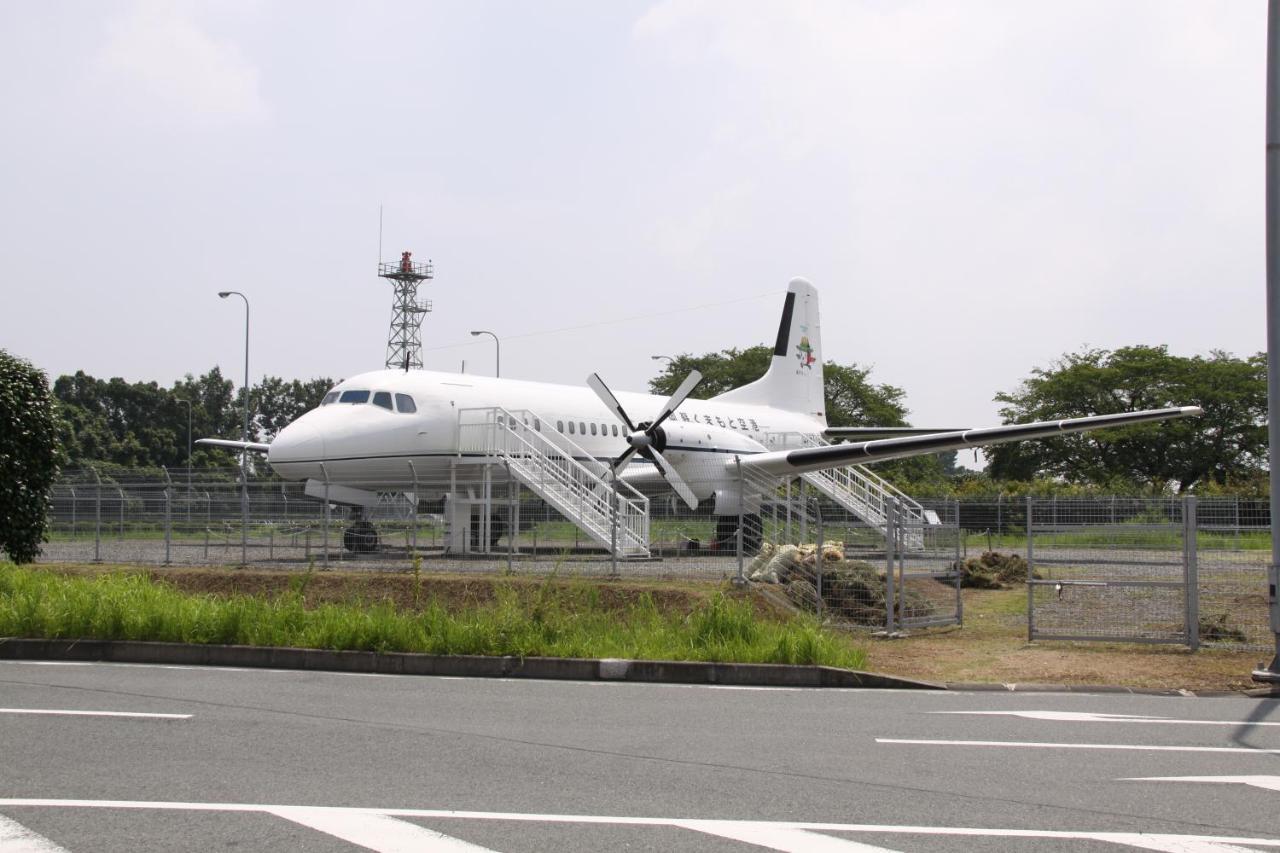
x: 29, y: 457
x: 278, y: 403
x: 1227, y: 444
x: 852, y: 399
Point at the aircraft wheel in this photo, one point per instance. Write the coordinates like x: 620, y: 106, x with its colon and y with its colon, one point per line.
x: 360, y: 537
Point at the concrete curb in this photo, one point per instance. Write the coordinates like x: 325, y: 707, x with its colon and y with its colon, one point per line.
x: 474, y: 666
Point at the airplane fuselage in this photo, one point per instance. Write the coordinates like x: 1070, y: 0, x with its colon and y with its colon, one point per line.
x: 414, y: 417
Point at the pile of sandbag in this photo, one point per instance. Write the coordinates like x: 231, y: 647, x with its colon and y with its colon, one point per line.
x: 992, y: 570
x: 776, y: 564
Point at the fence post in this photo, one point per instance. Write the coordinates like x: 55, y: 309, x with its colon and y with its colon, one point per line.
x: 742, y: 497
x: 959, y: 597
x: 890, y: 541
x: 325, y: 473
x: 244, y: 516
x: 1191, y: 566
x: 167, y: 528
x: 511, y: 513
x: 97, y: 517
x: 120, y: 493
x: 817, y: 511
x: 413, y: 472
x: 1031, y: 572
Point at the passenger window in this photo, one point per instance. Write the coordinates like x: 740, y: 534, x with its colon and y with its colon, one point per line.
x: 615, y: 430
x: 331, y: 397
x: 593, y: 429
x: 559, y: 426
x: 582, y: 427
x: 405, y: 404
x: 537, y: 425
x: 383, y: 399
x: 354, y: 397
x: 570, y: 427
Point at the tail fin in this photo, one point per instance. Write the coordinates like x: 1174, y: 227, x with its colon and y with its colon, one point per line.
x: 794, y: 379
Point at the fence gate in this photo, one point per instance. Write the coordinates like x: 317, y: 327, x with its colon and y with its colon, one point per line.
x: 1131, y: 579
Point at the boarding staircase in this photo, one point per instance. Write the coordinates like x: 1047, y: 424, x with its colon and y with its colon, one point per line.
x: 864, y: 494
x: 560, y: 472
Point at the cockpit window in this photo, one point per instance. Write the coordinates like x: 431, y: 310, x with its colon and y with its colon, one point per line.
x: 331, y: 397
x: 354, y: 397
x: 383, y: 399
x: 405, y: 404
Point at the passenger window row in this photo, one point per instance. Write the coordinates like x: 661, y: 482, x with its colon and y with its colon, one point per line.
x: 403, y: 402
x: 580, y: 428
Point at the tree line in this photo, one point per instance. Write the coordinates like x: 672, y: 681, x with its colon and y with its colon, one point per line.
x: 145, y: 424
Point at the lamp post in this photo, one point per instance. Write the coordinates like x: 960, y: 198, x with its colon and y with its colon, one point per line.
x: 669, y: 359
x: 497, y: 350
x: 187, y: 403
x: 244, y: 454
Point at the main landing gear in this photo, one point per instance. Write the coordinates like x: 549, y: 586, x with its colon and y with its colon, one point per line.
x: 727, y: 534
x: 360, y: 537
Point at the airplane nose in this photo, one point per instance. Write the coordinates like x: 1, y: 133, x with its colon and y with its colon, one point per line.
x: 298, y: 442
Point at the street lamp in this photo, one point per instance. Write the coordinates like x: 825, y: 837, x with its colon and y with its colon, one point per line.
x: 187, y: 403
x: 669, y: 359
x: 244, y: 454
x: 497, y: 351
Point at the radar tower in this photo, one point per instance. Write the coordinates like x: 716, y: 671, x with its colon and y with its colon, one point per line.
x: 404, y: 341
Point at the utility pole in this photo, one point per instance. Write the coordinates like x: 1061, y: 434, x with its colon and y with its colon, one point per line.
x: 1271, y: 674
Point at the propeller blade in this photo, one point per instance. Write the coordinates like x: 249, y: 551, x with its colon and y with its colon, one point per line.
x: 673, y: 479
x: 686, y: 388
x: 606, y: 396
x: 621, y: 462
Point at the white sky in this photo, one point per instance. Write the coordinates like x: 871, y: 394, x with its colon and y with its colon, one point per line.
x: 974, y: 187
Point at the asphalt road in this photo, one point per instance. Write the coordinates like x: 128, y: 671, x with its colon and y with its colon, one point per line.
x: 257, y: 759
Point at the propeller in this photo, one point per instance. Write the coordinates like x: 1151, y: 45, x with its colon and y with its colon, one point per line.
x: 646, y: 437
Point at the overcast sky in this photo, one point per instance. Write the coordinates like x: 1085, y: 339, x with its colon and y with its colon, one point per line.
x: 974, y: 187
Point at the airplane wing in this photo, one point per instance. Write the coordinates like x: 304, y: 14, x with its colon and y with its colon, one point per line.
x: 783, y: 462
x: 255, y: 446
x: 884, y: 432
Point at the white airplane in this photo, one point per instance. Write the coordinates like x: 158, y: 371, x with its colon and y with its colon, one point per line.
x: 369, y: 428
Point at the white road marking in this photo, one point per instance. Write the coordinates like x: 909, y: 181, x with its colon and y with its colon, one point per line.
x: 776, y: 837
x: 16, y: 838
x: 1133, y: 747
x: 376, y: 831
x: 1134, y: 839
x: 61, y: 713
x: 1084, y: 717
x: 1174, y: 844
x: 1270, y: 783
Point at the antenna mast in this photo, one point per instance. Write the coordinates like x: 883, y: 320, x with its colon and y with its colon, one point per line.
x: 404, y: 341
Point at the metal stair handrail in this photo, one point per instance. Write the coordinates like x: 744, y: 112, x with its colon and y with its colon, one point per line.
x: 552, y: 468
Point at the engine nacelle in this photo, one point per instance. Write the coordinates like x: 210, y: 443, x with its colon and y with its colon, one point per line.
x: 678, y: 435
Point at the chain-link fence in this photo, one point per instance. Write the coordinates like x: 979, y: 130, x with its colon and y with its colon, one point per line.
x: 1104, y: 568
x: 1162, y: 570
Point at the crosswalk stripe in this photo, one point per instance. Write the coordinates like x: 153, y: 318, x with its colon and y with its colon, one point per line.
x: 782, y: 838
x: 376, y: 832
x: 16, y: 838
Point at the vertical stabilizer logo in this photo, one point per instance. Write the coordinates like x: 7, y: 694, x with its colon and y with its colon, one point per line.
x: 804, y: 352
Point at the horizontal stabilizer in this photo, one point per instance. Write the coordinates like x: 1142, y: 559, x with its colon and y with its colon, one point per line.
x: 255, y: 446
x: 782, y: 462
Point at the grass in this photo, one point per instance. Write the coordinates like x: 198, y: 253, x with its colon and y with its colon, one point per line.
x: 1121, y: 537
x: 555, y: 619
